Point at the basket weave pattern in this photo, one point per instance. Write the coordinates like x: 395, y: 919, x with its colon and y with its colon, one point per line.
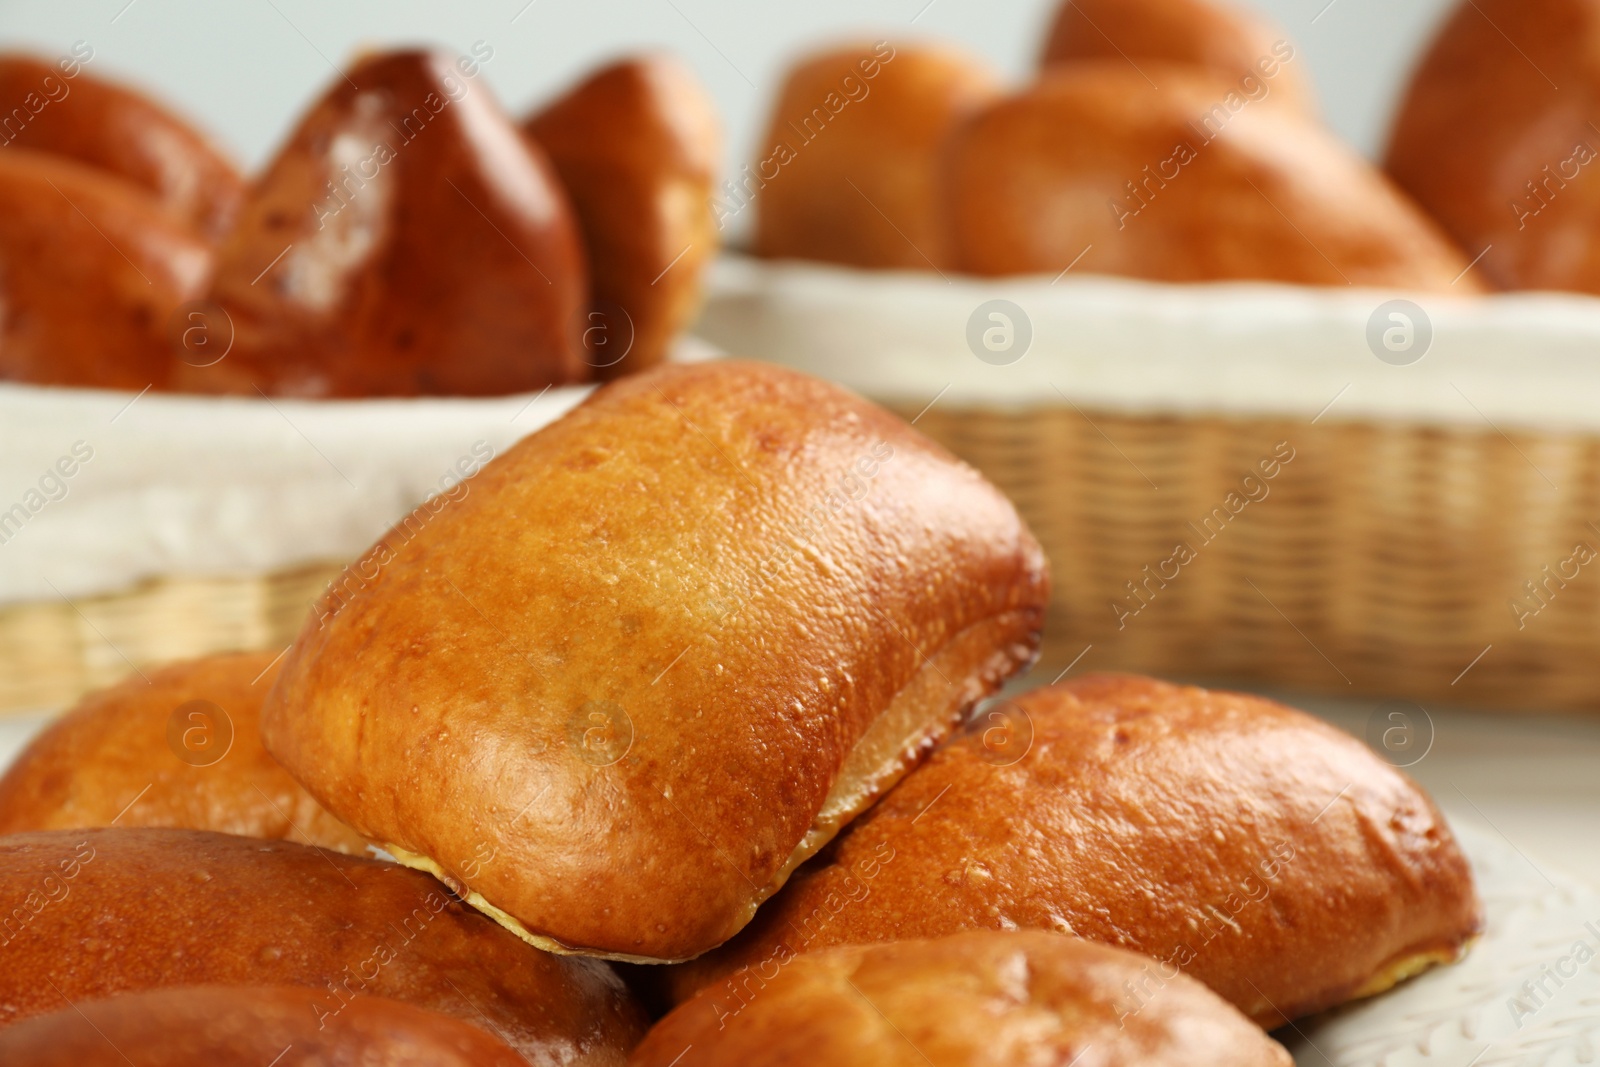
x: 1383, y: 559
x: 52, y: 652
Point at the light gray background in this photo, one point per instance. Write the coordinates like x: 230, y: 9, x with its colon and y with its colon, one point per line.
x: 246, y: 68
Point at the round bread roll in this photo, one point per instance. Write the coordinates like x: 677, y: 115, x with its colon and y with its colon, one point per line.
x: 1095, y: 168
x: 674, y: 640
x: 248, y: 1026
x: 408, y: 240
x: 973, y: 999
x: 637, y: 145
x: 1232, y: 42
x: 180, y: 747
x: 95, y: 913
x: 1486, y: 142
x: 57, y: 107
x: 1259, y: 850
x: 849, y: 168
x: 91, y: 271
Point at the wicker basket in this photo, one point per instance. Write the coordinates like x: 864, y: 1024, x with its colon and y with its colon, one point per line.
x: 52, y: 652
x: 1433, y: 537
x: 1382, y: 560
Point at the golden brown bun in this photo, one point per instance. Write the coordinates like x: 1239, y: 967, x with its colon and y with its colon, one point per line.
x: 1236, y: 44
x: 1092, y: 156
x: 248, y: 1026
x: 426, y: 248
x: 1267, y: 854
x: 114, y: 760
x: 673, y: 640
x: 95, y: 913
x: 56, y: 107
x: 637, y: 145
x: 91, y: 272
x: 849, y: 169
x: 1502, y: 159
x: 974, y: 999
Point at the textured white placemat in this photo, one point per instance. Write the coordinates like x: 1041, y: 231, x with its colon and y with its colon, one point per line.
x: 1527, y: 994
x: 1504, y: 362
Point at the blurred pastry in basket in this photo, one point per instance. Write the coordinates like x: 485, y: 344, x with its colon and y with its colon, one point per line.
x: 408, y: 240
x: 92, y: 270
x: 1502, y: 157
x: 97, y: 913
x: 674, y: 640
x: 849, y: 168
x: 1230, y: 41
x: 1096, y: 169
x: 637, y: 145
x: 248, y: 1026
x: 56, y: 106
x: 969, y: 1000
x: 179, y: 747
x: 1256, y: 849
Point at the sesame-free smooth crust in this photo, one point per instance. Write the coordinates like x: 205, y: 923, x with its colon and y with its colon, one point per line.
x: 248, y: 1026
x: 407, y: 240
x: 116, y: 129
x: 1263, y: 852
x: 850, y: 167
x: 637, y: 145
x: 178, y: 747
x: 1185, y: 180
x: 975, y: 999
x: 1489, y: 146
x: 1216, y: 35
x: 95, y: 913
x: 658, y: 653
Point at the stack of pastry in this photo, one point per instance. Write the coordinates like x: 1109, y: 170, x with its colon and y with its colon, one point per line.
x: 1174, y: 140
x: 686, y: 686
x: 409, y: 239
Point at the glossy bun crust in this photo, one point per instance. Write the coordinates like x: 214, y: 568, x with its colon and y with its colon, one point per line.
x: 637, y: 145
x: 976, y: 999
x: 1267, y: 854
x: 95, y: 913
x: 1186, y: 183
x: 248, y: 1026
x: 116, y: 757
x: 1229, y: 41
x: 1503, y: 159
x: 57, y: 107
x: 849, y: 168
x: 91, y: 271
x: 659, y: 654
x: 407, y: 240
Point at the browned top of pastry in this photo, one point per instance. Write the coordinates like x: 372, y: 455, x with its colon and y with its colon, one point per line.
x: 95, y: 913
x: 1496, y: 138
x: 406, y: 240
x: 179, y: 747
x: 849, y: 169
x: 671, y: 641
x: 58, y: 107
x: 1265, y: 853
x: 1235, y: 43
x: 91, y: 272
x: 248, y: 1026
x: 974, y: 999
x: 1187, y: 182
x: 637, y: 145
